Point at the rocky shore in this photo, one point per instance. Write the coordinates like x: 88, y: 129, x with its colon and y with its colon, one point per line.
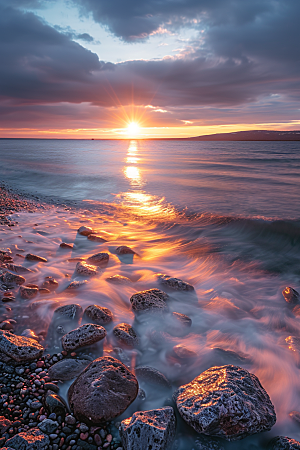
x: 67, y: 378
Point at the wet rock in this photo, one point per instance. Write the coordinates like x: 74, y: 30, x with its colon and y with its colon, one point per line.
x: 84, y: 335
x: 55, y: 404
x: 151, y: 300
x: 102, y: 391
x: 179, y: 325
x: 125, y: 334
x: 48, y: 426
x: 295, y: 415
x: 35, y: 258
x: 96, y: 238
x: 183, y: 353
x: 33, y: 439
x: 283, y: 443
x: 64, y: 319
x: 18, y: 269
x: 236, y: 357
x: 118, y: 279
x: 66, y: 246
x: 151, y: 376
x: 76, y: 284
x: 5, y: 424
x: 50, y: 283
x: 153, y: 429
x: 98, y: 314
x: 174, y: 283
x: 71, y: 312
x: 18, y: 348
x: 11, y: 279
x: 290, y: 295
x: 99, y: 259
x: 124, y: 250
x: 27, y: 293
x: 85, y: 270
x: 30, y: 334
x: 6, y: 325
x: 226, y: 401
x: 67, y: 369
x: 85, y: 231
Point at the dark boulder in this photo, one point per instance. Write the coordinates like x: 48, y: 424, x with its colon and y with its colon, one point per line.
x: 125, y: 334
x: 283, y: 443
x: 33, y: 439
x: 174, y: 283
x: 84, y: 335
x: 98, y: 314
x: 17, y: 349
x: 151, y: 300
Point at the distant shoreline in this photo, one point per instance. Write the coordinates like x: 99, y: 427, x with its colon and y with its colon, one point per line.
x: 242, y: 136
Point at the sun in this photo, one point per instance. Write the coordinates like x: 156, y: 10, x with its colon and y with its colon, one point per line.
x: 133, y: 128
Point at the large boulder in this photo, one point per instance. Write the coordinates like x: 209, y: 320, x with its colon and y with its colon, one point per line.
x: 98, y: 314
x: 227, y: 402
x: 67, y: 369
x: 103, y: 391
x: 85, y: 335
x: 153, y: 429
x: 284, y: 443
x: 17, y: 349
x: 33, y: 439
x: 151, y: 300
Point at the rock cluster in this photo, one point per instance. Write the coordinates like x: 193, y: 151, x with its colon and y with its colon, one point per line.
x: 226, y: 401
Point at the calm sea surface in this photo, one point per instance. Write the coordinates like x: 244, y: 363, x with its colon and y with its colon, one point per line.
x: 247, y: 179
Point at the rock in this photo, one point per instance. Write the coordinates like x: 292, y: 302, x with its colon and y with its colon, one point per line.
x: 151, y: 376
x: 98, y: 314
x: 85, y: 270
x: 71, y: 312
x: 283, y: 443
x: 12, y: 280
x: 103, y: 391
x: 76, y: 284
x: 64, y: 319
x: 99, y: 259
x: 18, y: 269
x: 48, y: 426
x: 30, y: 334
x: 124, y: 250
x: 67, y: 369
x: 35, y: 258
x: 70, y: 420
x: 50, y: 283
x: 6, y: 325
x: 226, y: 401
x: 96, y: 238
x: 151, y: 300
x: 84, y: 335
x: 293, y: 343
x: 55, y: 404
x: 66, y: 246
x: 118, y: 279
x: 5, y: 424
x: 125, y: 334
x: 18, y: 348
x: 33, y: 439
x: 27, y: 293
x: 179, y: 325
x: 153, y: 429
x: 174, y: 283
x: 183, y: 353
x: 85, y: 231
x: 290, y: 295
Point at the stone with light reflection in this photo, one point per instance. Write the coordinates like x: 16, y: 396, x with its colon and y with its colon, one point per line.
x: 124, y: 250
x: 85, y: 270
x: 227, y: 402
x: 174, y: 283
x: 151, y: 300
x: 99, y: 259
x: 284, y: 443
x: 85, y: 231
x: 153, y: 429
x: 290, y: 295
x: 17, y: 349
x: 33, y: 439
x: 103, y: 391
x: 84, y: 335
x: 96, y: 238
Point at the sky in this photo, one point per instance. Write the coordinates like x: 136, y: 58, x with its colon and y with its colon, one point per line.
x: 175, y: 68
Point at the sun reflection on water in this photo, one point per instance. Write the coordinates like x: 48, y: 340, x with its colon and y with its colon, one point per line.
x: 141, y: 202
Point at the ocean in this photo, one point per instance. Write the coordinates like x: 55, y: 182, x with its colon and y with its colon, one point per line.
x: 224, y: 216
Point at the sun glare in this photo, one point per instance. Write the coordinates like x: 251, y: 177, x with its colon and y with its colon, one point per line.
x: 133, y: 128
